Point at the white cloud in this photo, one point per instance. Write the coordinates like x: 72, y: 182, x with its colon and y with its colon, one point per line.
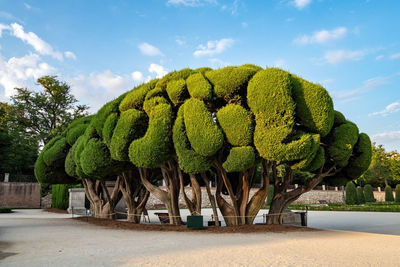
x: 379, y: 57
x: 2, y: 28
x: 386, y: 137
x: 32, y: 39
x: 149, y: 50
x: 69, y: 54
x: 137, y: 76
x: 322, y: 36
x: 191, y: 3
x: 338, y: 56
x: 213, y: 47
x: 391, y: 108
x: 395, y: 56
x: 27, y: 6
x: 367, y: 86
x: 19, y: 72
x: 158, y: 70
x: 300, y: 4
x: 244, y: 24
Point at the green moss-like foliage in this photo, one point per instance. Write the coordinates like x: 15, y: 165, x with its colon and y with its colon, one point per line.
x: 131, y: 125
x: 388, y: 194
x: 341, y: 144
x: 314, y: 106
x: 304, y: 163
x: 202, y: 70
x: 96, y: 161
x: 80, y: 145
x: 199, y: 87
x: 135, y: 98
x: 362, y: 157
x: 397, y: 191
x: 317, y: 162
x: 252, y: 66
x: 75, y: 132
x: 351, y: 194
x: 229, y: 81
x: 154, y: 148
x: 236, y: 122
x: 339, y: 118
x: 149, y: 104
x: 108, y: 128
x: 360, y: 195
x: 369, y: 193
x: 100, y: 118
x: 176, y: 91
x: 203, y: 133
x: 70, y: 165
x: 58, y: 151
x: 239, y: 159
x: 189, y: 161
x: 172, y: 76
x: 60, y: 195
x: 269, y: 97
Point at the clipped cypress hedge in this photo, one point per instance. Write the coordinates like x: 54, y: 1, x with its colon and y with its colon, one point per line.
x: 60, y: 195
x: 369, y: 193
x: 360, y: 195
x: 397, y: 190
x: 351, y: 193
x: 388, y: 194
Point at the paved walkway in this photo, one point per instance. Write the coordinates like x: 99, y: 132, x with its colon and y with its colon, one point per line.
x: 37, y: 238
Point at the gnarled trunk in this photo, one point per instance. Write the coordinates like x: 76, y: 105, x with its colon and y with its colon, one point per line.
x: 134, y: 194
x: 170, y: 197
x: 101, y: 201
x: 194, y: 205
x: 211, y: 198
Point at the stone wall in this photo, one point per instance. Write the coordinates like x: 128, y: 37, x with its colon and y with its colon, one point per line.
x: 20, y: 195
x: 45, y: 202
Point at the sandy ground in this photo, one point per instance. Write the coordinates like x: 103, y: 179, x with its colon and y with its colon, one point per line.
x: 45, y: 239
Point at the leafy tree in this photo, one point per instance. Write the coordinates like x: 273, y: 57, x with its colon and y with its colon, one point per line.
x: 228, y: 122
x: 379, y: 172
x: 44, y: 114
x: 360, y: 195
x: 397, y: 190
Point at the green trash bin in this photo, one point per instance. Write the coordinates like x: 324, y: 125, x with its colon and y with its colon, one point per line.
x: 195, y: 222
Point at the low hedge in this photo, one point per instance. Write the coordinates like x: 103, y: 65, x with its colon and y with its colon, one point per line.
x: 60, y: 195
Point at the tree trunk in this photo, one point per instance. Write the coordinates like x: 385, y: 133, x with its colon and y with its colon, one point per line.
x: 211, y: 198
x: 193, y: 205
x: 135, y: 196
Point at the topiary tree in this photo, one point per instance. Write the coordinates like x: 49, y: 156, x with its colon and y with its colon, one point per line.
x: 360, y: 195
x: 351, y: 194
x: 397, y: 190
x: 369, y: 193
x: 388, y: 194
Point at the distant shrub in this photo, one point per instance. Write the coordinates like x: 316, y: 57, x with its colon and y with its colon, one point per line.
x: 5, y: 210
x: 369, y: 193
x: 388, y: 194
x: 397, y: 190
x: 360, y: 195
x: 60, y: 195
x: 351, y: 194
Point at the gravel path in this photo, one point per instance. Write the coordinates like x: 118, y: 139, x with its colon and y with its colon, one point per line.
x: 36, y: 238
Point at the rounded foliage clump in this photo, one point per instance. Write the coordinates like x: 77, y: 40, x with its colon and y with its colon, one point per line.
x: 229, y: 81
x: 130, y: 126
x: 369, y: 193
x: 135, y: 98
x: 108, y: 128
x: 203, y: 133
x: 239, y: 159
x: 341, y: 143
x: 339, y: 118
x: 199, y: 87
x: 236, y: 122
x: 362, y: 157
x: 360, y: 195
x: 388, y: 194
x: 188, y: 159
x: 351, y: 194
x: 154, y: 148
x: 314, y: 106
x: 177, y: 91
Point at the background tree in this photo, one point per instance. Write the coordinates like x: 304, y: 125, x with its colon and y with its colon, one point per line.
x: 369, y: 193
x: 45, y: 113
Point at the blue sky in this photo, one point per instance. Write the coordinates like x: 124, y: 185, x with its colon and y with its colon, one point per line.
x: 104, y: 48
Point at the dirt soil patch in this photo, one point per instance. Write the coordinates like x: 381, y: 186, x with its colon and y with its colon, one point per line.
x: 182, y: 228
x: 54, y: 210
